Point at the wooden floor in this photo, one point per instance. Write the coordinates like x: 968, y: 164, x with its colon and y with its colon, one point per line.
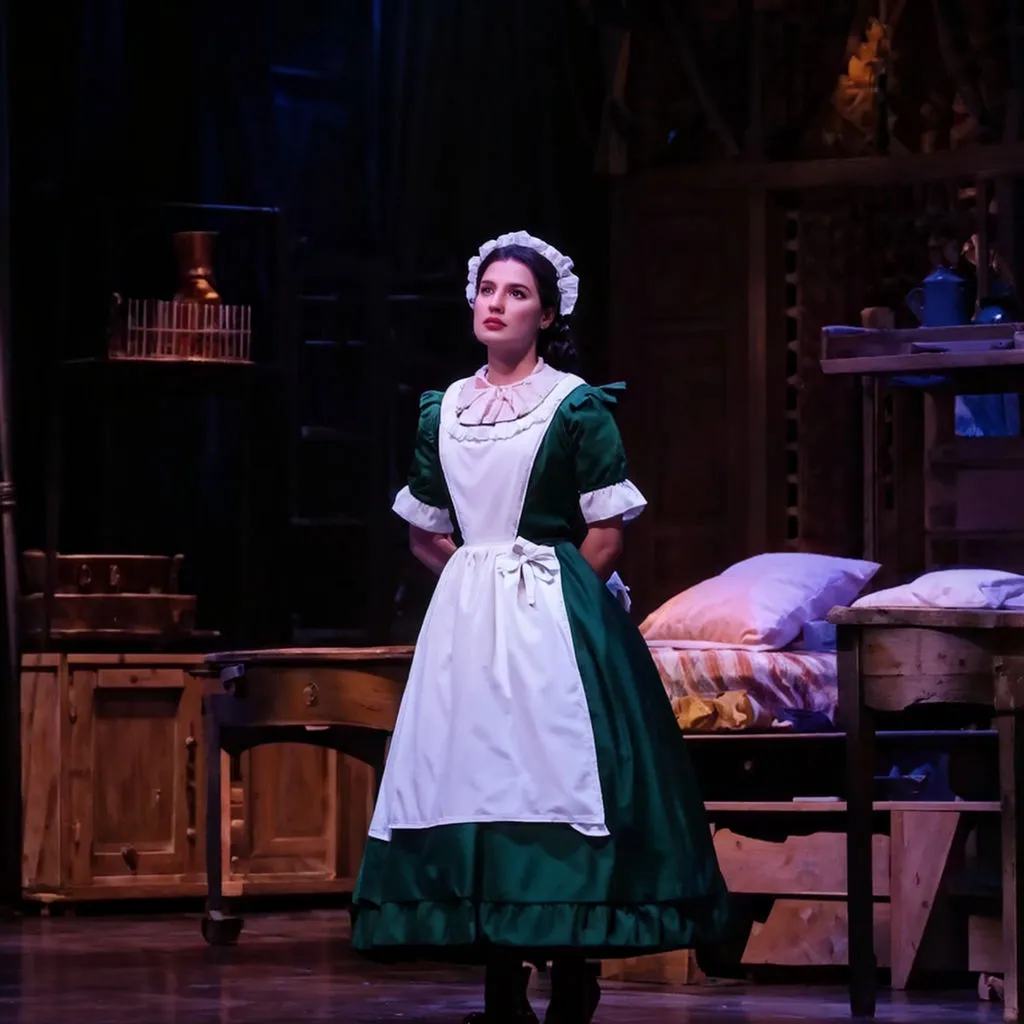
x: 298, y: 967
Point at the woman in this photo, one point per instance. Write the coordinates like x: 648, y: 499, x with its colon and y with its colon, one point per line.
x: 538, y: 803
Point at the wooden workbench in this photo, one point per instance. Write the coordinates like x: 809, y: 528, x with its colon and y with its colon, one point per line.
x: 894, y: 659
x: 343, y: 699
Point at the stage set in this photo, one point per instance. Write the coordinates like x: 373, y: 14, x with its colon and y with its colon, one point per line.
x: 234, y: 256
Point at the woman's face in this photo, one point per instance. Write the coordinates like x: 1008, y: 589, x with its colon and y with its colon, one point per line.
x: 507, y: 313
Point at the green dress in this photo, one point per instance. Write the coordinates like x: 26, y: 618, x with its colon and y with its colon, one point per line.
x: 642, y: 879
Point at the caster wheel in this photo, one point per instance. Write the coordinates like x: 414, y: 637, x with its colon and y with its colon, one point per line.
x: 219, y: 930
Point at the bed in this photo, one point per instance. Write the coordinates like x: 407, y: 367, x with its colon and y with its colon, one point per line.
x: 755, y: 688
x: 749, y: 650
x: 726, y: 690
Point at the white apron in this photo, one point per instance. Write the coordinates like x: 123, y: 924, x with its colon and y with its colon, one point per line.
x: 494, y: 724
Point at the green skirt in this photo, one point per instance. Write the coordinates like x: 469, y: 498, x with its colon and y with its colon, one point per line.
x: 653, y: 884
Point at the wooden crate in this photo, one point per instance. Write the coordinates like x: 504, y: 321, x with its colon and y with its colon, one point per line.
x: 676, y: 968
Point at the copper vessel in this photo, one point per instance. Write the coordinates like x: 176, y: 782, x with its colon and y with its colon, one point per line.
x: 194, y: 250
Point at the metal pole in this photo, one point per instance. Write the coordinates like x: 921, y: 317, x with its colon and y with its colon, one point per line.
x: 10, y: 699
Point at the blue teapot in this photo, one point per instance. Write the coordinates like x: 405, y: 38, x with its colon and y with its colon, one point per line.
x: 940, y: 301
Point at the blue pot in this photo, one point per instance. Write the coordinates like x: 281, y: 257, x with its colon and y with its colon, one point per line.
x: 940, y: 301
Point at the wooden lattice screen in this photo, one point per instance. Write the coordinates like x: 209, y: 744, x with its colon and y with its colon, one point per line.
x: 848, y: 249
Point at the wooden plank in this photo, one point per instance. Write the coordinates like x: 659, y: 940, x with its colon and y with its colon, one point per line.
x: 42, y: 807
x: 988, y: 162
x: 759, y: 430
x: 839, y: 806
x: 185, y: 887
x: 37, y: 660
x: 81, y: 685
x: 872, y: 435
x: 757, y: 371
x: 1009, y: 683
x: 926, y: 362
x: 939, y: 484
x: 984, y: 253
x: 1011, y: 785
x: 985, y: 945
x: 905, y: 666
x: 978, y: 453
x: 286, y: 835
x: 356, y: 789
x: 860, y: 752
x: 224, y: 823
x: 900, y: 652
x: 920, y: 852
x: 897, y: 693
x: 929, y: 618
x: 843, y: 341
x: 141, y: 678
x: 149, y: 660
x: 812, y: 933
x: 676, y: 968
x: 310, y: 655
x: 813, y: 865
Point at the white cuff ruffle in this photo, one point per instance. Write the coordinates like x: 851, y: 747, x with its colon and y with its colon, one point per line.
x: 618, y: 500
x: 426, y: 517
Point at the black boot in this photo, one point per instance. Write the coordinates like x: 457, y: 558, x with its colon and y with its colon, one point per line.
x: 575, y: 992
x: 505, y: 999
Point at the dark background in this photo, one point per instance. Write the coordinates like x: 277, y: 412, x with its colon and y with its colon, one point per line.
x: 393, y: 138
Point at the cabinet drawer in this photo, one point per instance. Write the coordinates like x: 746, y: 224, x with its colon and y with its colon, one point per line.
x: 140, y: 677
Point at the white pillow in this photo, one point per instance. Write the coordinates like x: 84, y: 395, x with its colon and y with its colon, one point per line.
x: 762, y: 602
x: 953, y: 588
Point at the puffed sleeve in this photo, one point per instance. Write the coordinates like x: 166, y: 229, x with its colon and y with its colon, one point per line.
x: 601, y: 471
x: 424, y: 501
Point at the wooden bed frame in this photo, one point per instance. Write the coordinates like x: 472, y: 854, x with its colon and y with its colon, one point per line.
x: 785, y: 859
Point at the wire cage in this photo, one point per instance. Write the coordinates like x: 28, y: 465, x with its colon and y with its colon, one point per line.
x: 181, y: 330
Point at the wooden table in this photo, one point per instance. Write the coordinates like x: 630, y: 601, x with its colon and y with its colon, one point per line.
x: 890, y: 660
x: 343, y: 698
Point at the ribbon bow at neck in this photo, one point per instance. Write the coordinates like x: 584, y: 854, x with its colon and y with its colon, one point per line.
x: 526, y: 565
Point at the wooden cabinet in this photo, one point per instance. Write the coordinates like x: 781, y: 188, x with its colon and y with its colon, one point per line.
x: 132, y: 756
x: 114, y: 793
x: 292, y: 834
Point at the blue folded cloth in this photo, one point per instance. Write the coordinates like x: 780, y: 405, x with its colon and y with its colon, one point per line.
x: 817, y: 636
x: 619, y: 590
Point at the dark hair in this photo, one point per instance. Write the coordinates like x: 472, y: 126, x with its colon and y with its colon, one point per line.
x: 556, y: 344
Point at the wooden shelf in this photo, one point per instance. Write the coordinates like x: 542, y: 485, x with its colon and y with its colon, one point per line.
x: 921, y: 350
x: 163, y: 363
x: 925, y: 362
x: 839, y: 806
x: 882, y: 736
